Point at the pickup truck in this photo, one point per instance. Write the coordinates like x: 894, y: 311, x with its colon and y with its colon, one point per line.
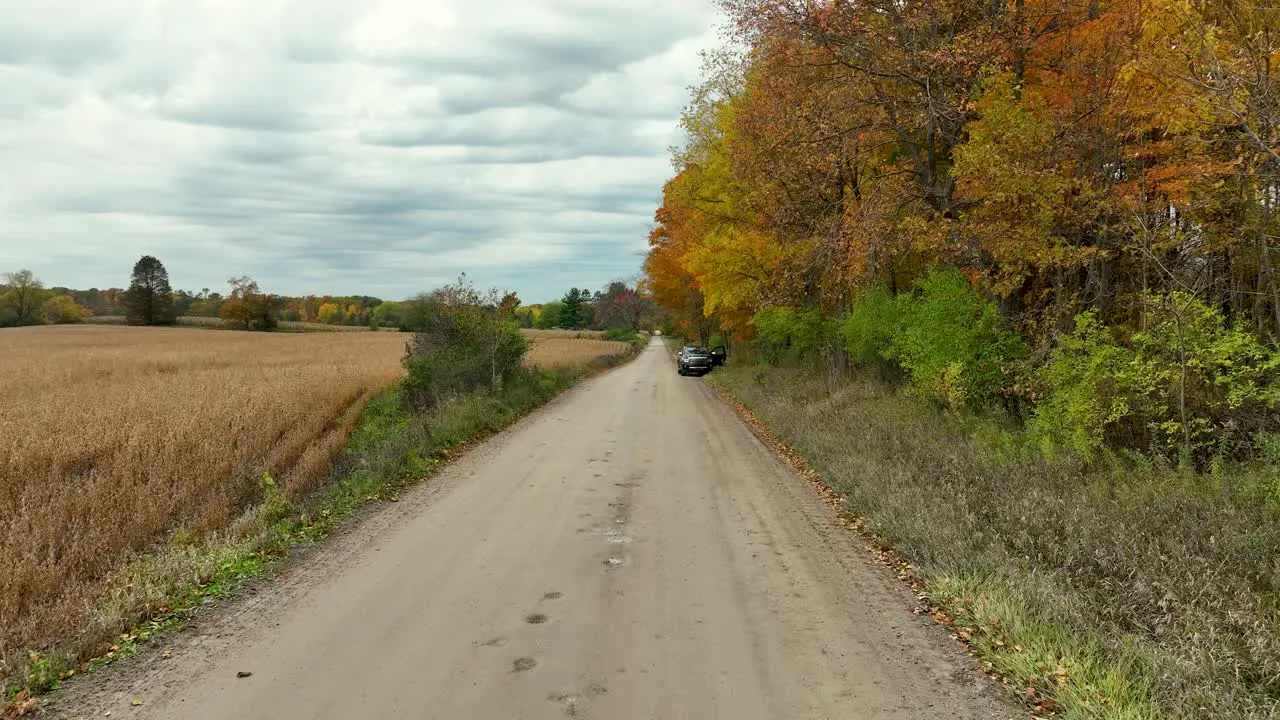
x: 694, y: 360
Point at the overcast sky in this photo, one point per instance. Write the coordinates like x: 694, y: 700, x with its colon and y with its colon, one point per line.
x: 340, y: 146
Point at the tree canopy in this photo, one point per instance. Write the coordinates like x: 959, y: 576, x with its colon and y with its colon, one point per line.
x: 1066, y: 155
x: 149, y: 299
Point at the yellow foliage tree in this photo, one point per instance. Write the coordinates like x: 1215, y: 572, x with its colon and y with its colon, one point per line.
x: 329, y: 313
x: 63, y: 309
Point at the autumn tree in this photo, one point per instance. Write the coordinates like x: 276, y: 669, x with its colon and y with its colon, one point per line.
x: 329, y: 314
x: 508, y: 305
x: 619, y: 306
x: 63, y: 310
x: 668, y: 281
x: 527, y: 316
x: 149, y: 299
x: 356, y: 314
x: 247, y: 307
x: 20, y: 298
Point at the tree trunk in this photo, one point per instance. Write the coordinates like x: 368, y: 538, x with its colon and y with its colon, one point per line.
x: 1182, y: 384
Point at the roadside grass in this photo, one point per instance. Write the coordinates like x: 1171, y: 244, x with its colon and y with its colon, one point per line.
x: 1119, y: 590
x: 390, y: 449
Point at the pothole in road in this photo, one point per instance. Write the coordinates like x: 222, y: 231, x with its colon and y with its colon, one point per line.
x: 523, y: 664
x: 614, y: 562
x: 553, y: 595
x: 535, y: 619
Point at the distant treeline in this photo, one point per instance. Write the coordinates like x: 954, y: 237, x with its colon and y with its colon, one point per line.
x: 26, y: 300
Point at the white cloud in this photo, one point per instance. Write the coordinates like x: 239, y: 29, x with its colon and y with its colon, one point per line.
x: 375, y: 146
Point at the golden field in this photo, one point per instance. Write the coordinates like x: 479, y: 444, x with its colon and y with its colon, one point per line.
x: 552, y: 352
x: 213, y: 322
x: 116, y: 442
x: 535, y: 335
x: 113, y: 439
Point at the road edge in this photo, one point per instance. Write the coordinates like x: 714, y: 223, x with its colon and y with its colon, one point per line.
x: 879, y: 553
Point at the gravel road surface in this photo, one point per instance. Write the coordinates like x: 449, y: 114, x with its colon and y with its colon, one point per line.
x: 629, y: 552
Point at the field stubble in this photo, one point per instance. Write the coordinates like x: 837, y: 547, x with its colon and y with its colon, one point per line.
x: 113, y: 439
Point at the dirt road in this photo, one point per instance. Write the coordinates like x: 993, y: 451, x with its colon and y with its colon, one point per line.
x: 630, y: 552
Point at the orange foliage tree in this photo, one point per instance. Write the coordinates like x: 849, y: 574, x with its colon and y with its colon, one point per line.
x: 1066, y: 155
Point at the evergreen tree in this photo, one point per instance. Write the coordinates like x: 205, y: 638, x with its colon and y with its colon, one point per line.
x: 149, y: 300
x: 572, y: 312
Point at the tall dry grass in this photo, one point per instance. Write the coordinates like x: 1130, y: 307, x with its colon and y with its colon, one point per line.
x: 557, y: 351
x: 1154, y: 591
x: 116, y: 439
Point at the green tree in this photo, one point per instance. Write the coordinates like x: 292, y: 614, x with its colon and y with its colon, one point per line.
x: 550, y: 317
x: 21, y: 299
x: 149, y: 299
x: 574, y: 312
x: 387, y: 314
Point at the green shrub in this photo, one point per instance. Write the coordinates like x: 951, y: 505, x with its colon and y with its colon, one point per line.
x: 869, y: 327
x: 1093, y: 385
x: 1187, y: 386
x: 460, y: 345
x: 786, y: 334
x: 950, y: 342
x: 620, y: 335
x: 638, y: 341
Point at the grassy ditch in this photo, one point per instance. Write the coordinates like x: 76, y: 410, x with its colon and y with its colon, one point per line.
x: 392, y: 447
x: 1121, y: 589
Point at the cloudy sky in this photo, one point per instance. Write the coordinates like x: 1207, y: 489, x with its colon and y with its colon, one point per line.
x: 344, y: 146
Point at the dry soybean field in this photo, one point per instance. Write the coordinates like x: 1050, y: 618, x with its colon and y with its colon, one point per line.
x: 113, y: 439
x: 551, y: 349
